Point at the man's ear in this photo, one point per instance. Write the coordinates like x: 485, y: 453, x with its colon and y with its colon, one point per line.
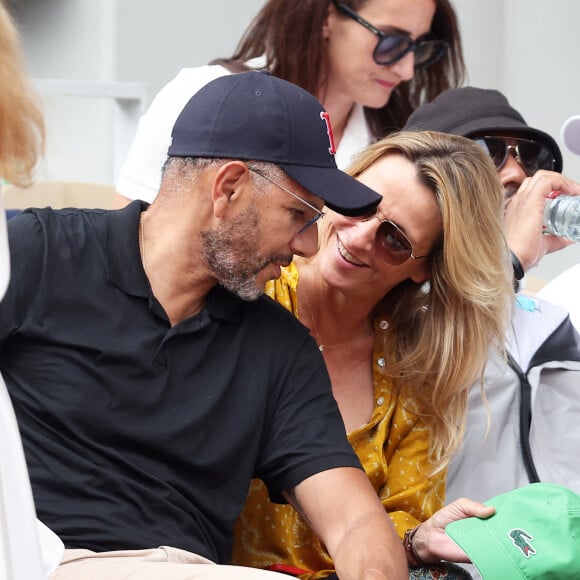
x: 227, y: 186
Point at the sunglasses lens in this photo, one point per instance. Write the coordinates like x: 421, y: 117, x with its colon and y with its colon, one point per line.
x: 391, y: 47
x: 393, y: 246
x: 535, y: 156
x: 428, y: 52
x: 531, y: 154
x: 495, y: 148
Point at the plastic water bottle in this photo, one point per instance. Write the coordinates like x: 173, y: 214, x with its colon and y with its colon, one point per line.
x: 562, y: 217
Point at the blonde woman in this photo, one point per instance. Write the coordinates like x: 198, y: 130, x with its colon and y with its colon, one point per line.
x: 28, y: 549
x: 404, y: 307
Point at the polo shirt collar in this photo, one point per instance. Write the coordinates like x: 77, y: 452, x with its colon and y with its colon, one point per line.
x: 125, y: 269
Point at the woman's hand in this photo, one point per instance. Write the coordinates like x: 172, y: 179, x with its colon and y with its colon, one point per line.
x: 431, y: 543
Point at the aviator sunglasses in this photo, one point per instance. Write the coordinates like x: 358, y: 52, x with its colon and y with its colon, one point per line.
x: 530, y: 154
x: 394, y: 44
x: 392, y: 245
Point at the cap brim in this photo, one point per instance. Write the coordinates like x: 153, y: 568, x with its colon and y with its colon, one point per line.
x: 340, y: 192
x: 483, y: 549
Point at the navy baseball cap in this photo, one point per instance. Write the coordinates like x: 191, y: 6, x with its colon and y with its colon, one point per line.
x: 471, y: 111
x: 256, y: 116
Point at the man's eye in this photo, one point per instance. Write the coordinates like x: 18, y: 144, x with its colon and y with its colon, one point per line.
x: 297, y: 214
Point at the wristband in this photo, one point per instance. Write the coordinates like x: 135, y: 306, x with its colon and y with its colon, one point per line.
x: 413, y: 558
x: 519, y: 272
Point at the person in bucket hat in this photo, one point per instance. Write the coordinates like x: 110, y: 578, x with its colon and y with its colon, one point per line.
x: 518, y: 151
x: 531, y: 419
x: 152, y: 380
x: 534, y: 534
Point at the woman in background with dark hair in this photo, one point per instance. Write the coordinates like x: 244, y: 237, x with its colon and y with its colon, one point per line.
x: 369, y: 62
x: 309, y: 45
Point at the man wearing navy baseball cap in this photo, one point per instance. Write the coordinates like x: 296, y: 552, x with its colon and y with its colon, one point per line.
x: 150, y: 377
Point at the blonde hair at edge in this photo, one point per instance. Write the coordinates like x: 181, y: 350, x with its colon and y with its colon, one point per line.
x: 440, y: 333
x: 21, y: 120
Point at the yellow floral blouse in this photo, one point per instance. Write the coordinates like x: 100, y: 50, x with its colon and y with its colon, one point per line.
x: 393, y: 449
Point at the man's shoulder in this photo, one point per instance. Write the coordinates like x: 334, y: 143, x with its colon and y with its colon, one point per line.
x: 561, y: 281
x: 275, y: 313
x: 51, y: 221
x: 58, y: 231
x: 48, y: 213
x: 271, y: 324
x: 541, y: 332
x: 563, y: 290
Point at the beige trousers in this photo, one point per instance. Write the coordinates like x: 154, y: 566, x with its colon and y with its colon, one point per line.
x: 157, y: 563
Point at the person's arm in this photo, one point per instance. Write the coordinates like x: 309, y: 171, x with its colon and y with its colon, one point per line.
x: 524, y: 217
x: 343, y: 509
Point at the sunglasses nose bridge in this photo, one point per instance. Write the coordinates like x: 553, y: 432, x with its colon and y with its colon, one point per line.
x: 405, y: 65
x: 514, y: 150
x: 364, y: 232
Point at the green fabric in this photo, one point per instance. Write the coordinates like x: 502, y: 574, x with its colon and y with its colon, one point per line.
x: 535, y: 533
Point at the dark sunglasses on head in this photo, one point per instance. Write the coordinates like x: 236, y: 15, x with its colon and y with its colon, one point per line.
x: 392, y: 245
x: 531, y: 155
x: 394, y: 45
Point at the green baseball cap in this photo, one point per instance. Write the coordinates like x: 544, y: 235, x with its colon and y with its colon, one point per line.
x: 534, y: 533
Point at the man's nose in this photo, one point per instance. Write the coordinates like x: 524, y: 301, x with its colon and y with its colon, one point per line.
x: 305, y: 243
x: 512, y: 170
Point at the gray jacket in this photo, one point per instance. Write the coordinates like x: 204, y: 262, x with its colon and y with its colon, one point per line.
x: 534, y: 403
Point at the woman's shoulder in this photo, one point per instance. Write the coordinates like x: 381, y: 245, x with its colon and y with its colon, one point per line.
x: 283, y: 289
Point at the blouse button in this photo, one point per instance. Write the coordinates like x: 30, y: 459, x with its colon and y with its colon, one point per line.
x: 381, y: 362
x: 380, y: 400
x: 383, y: 325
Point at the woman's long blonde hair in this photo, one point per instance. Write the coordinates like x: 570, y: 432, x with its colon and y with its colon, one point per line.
x: 21, y: 122
x: 440, y: 333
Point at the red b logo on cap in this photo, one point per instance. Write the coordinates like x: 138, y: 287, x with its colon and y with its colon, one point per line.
x: 326, y: 118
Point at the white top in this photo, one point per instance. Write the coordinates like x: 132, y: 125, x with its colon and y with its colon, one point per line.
x: 564, y: 290
x: 140, y: 174
x: 28, y: 549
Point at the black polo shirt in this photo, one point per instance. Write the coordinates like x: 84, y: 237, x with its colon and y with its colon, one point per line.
x: 138, y: 434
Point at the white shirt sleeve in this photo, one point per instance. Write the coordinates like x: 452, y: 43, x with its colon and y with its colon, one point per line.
x: 357, y: 135
x: 563, y: 290
x: 140, y: 174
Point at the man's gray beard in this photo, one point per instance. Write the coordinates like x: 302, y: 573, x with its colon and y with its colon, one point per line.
x: 229, y: 252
